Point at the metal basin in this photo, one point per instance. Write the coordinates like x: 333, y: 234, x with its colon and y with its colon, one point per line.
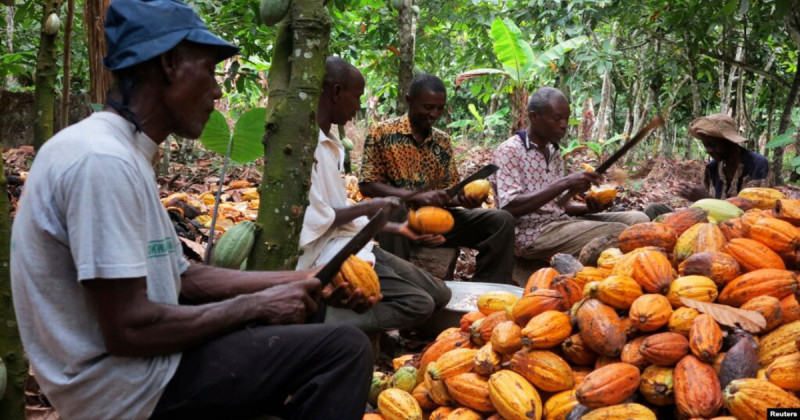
x: 451, y: 315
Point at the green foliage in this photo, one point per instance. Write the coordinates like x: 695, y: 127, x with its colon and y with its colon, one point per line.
x: 246, y: 137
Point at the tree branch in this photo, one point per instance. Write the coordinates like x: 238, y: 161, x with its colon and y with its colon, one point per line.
x: 744, y: 66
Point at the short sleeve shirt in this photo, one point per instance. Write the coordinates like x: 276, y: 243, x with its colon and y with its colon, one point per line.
x: 391, y: 156
x: 91, y: 210
x: 524, y: 169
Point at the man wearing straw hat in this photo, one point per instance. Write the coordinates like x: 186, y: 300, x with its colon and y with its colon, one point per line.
x: 732, y: 167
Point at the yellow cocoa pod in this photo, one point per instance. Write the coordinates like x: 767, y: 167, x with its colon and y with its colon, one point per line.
x: 478, y: 189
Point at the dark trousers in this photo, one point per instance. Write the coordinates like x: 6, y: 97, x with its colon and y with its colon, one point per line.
x: 491, y: 232
x: 323, y: 370
x: 410, y: 294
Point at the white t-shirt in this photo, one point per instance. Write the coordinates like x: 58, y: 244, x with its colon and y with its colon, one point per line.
x: 319, y: 242
x: 90, y: 209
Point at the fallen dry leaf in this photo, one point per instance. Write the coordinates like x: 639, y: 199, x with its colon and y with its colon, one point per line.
x: 750, y: 321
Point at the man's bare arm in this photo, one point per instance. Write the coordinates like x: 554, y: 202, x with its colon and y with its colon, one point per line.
x: 134, y: 326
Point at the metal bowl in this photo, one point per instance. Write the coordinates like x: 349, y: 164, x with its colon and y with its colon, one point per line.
x: 450, y: 316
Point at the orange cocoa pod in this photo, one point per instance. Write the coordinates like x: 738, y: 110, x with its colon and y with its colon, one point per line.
x: 452, y: 363
x: 718, y: 266
x: 424, y: 399
x: 697, y: 390
x: 693, y: 287
x: 470, y: 390
x: 609, y: 385
x: 683, y: 219
x: 785, y: 372
x: 777, y: 343
x: 618, y: 291
x: 664, y: 349
x: 647, y: 234
x: 487, y: 361
x: 681, y: 320
x: 463, y: 413
x: 440, y: 413
x: 750, y: 398
x: 601, y: 328
x: 653, y: 271
x: 579, y: 373
x: 396, y: 404
x: 429, y: 219
x: 540, y: 279
x: 481, y: 330
x: 514, y: 397
x: 705, y: 338
x: 621, y: 411
x: 732, y: 229
x: 506, y: 337
x: 544, y: 369
x: 468, y: 318
x: 753, y: 255
x: 740, y: 202
x: 630, y: 353
x: 536, y: 302
x: 769, y: 307
x: 559, y: 405
x: 787, y: 210
x: 546, y: 330
x: 447, y: 332
x: 790, y: 309
x: 577, y: 352
x: 778, y: 235
x: 763, y: 282
x: 433, y: 351
x: 650, y: 312
x: 589, y: 274
x: 657, y: 385
x: 568, y: 288
x: 709, y: 238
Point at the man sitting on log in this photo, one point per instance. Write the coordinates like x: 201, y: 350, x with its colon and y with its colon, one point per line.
x: 410, y: 295
x: 97, y: 271
x: 532, y: 178
x: 407, y: 154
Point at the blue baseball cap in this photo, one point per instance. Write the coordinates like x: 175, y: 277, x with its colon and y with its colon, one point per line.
x: 138, y: 30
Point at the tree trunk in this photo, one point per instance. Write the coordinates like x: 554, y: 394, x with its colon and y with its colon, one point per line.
x: 99, y: 77
x: 9, y: 41
x: 784, y: 123
x: 295, y: 80
x: 726, y: 84
x: 406, y: 37
x: 67, y: 57
x: 46, y: 72
x: 12, y: 405
x: 603, y: 113
x: 697, y: 104
x: 756, y: 93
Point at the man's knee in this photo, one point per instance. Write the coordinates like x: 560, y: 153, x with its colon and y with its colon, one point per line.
x: 635, y: 217
x: 501, y: 221
x: 441, y: 295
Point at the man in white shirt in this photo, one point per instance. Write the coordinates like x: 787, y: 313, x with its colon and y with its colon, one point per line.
x: 410, y: 295
x: 97, y: 270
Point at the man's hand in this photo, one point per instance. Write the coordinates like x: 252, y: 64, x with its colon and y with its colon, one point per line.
x: 288, y: 303
x: 467, y: 201
x: 337, y: 296
x: 594, y: 206
x: 691, y: 192
x: 437, y: 198
x: 428, y: 240
x: 581, y: 181
x: 387, y: 204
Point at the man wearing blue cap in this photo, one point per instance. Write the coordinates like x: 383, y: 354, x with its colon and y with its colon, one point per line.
x: 97, y: 271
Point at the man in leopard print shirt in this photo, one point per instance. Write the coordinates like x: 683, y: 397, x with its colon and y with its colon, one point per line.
x: 407, y: 154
